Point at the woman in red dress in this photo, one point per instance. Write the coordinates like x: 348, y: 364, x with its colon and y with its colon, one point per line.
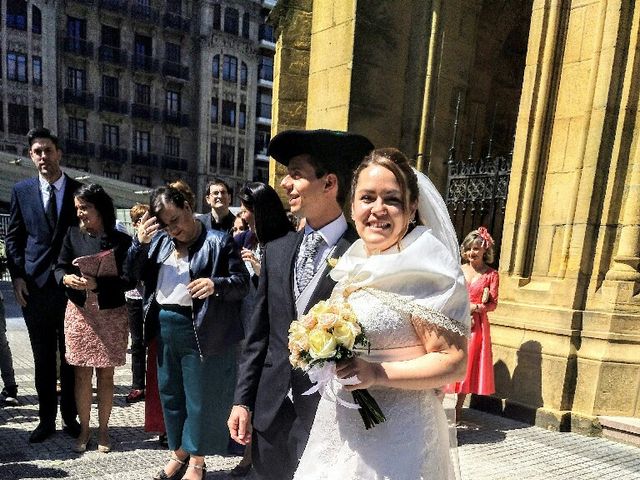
x: 482, y: 285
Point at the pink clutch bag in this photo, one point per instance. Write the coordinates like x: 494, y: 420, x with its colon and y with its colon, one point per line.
x: 101, y: 264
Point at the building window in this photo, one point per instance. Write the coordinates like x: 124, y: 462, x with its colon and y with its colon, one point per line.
x: 245, y: 25
x: 76, y: 28
x: 142, y: 46
x: 215, y: 66
x: 216, y: 16
x: 172, y: 146
x: 213, y: 156
x: 242, y: 116
x: 143, y: 180
x: 18, y: 118
x: 113, y: 174
x: 36, y: 20
x: 172, y: 52
x: 78, y: 129
x: 36, y: 70
x: 262, y: 141
x: 17, y: 15
x: 172, y: 101
x: 265, y: 69
x: 142, y: 141
x: 174, y: 6
x: 230, y: 69
x: 76, y: 79
x: 240, y: 171
x: 264, y: 105
x: 38, y: 120
x: 110, y: 87
x: 214, y: 110
x: 110, y: 135
x: 16, y: 66
x: 243, y: 74
x: 227, y: 155
x: 142, y: 94
x: 231, y: 20
x: 1, y: 117
x: 228, y: 113
x: 110, y: 36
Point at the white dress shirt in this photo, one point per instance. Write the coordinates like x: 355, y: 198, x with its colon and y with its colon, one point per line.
x: 59, y: 189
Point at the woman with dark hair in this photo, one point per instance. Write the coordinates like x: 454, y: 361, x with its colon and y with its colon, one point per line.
x: 90, y: 267
x: 262, y: 209
x: 194, y: 281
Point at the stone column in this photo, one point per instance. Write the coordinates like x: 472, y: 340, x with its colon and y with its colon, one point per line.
x: 562, y: 346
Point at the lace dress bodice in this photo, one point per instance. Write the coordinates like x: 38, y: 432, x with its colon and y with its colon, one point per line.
x: 412, y: 443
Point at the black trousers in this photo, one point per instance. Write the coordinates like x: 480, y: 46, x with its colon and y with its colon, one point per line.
x: 277, y: 451
x: 44, y: 316
x: 138, y: 350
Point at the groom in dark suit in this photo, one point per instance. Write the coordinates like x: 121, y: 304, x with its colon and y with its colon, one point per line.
x: 42, y: 210
x: 294, y: 277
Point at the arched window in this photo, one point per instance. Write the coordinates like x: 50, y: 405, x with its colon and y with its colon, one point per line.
x: 243, y: 74
x: 245, y: 25
x: 231, y: 20
x: 215, y: 67
x: 36, y: 20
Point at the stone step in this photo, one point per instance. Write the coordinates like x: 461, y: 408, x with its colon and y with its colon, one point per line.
x: 625, y: 429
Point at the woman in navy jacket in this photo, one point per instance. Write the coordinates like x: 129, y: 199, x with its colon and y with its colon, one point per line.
x: 194, y: 282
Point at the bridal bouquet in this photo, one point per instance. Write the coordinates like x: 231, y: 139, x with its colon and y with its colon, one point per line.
x: 325, y: 335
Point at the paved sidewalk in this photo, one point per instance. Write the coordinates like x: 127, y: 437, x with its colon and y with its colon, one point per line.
x: 491, y: 448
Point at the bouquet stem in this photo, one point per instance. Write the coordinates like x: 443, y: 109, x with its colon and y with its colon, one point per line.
x: 369, y: 408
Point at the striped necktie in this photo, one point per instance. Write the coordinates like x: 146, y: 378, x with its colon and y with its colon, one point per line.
x: 305, y: 264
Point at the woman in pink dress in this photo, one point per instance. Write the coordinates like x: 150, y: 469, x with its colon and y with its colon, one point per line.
x: 90, y: 267
x: 482, y: 285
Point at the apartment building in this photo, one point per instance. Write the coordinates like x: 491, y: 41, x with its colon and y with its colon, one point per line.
x: 144, y: 91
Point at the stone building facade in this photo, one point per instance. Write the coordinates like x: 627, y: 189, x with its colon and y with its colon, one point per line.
x: 554, y: 87
x: 143, y: 91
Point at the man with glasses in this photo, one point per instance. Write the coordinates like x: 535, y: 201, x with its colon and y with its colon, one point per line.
x: 218, y: 197
x: 41, y: 212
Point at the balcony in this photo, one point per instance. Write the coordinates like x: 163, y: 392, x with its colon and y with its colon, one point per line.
x: 144, y: 14
x: 174, y: 163
x: 176, y: 22
x: 77, y: 46
x: 114, y: 5
x: 144, y: 159
x: 265, y: 35
x: 78, y: 97
x: 146, y: 112
x: 144, y: 63
x: 88, y: 3
x: 173, y: 69
x: 112, y: 104
x: 78, y: 147
x: 176, y: 118
x: 113, y: 154
x: 117, y: 56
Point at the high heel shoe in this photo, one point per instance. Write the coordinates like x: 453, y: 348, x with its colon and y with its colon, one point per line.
x: 202, y: 468
x: 161, y: 475
x: 81, y: 444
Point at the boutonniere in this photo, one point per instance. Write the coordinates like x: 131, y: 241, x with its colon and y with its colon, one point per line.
x: 332, y: 261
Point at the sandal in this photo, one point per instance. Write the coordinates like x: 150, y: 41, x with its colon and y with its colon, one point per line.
x: 162, y: 475
x: 202, y: 468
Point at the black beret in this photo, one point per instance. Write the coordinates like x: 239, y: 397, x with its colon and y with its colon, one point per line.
x: 333, y: 150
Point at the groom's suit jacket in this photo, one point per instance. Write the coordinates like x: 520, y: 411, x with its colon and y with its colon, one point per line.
x: 265, y: 374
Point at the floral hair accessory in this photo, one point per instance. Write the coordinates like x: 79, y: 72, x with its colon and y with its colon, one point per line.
x: 487, y: 240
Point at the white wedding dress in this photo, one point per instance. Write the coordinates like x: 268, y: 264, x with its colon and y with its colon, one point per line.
x: 412, y: 444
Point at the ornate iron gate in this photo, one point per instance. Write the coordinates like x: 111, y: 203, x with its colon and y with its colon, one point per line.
x: 477, y: 188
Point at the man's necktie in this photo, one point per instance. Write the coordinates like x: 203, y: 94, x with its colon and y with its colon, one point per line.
x: 306, y: 259
x: 52, y: 207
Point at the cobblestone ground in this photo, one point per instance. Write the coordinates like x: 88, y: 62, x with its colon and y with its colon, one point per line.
x: 491, y: 447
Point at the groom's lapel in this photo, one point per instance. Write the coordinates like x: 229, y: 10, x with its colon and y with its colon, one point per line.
x: 289, y: 263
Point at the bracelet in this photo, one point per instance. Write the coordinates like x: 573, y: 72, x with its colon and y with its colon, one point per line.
x: 243, y: 406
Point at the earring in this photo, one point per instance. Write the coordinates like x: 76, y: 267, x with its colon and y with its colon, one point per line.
x: 412, y: 222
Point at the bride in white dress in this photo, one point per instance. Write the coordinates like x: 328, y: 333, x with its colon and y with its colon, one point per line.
x: 408, y: 292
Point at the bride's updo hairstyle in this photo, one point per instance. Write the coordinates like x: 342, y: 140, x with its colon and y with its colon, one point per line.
x: 397, y: 163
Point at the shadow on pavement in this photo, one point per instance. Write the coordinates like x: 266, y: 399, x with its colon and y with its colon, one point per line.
x: 14, y: 471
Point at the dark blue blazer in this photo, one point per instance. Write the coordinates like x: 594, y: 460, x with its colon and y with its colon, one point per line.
x: 32, y: 245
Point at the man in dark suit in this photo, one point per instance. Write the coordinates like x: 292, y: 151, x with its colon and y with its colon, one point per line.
x: 42, y: 210
x: 294, y: 277
x: 218, y: 198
